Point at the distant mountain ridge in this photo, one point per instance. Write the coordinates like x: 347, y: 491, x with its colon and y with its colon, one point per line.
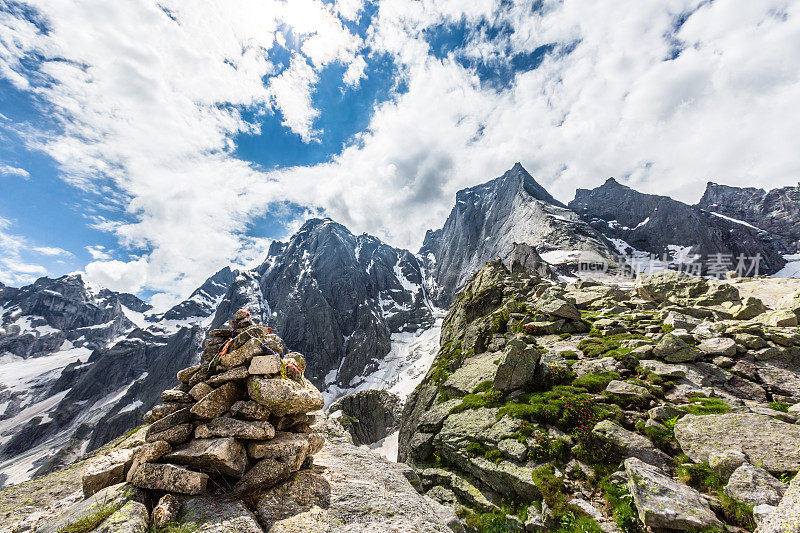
x: 776, y: 211
x: 659, y: 225
x: 80, y: 365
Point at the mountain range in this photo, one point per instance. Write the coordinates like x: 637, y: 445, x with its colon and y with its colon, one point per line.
x: 82, y: 365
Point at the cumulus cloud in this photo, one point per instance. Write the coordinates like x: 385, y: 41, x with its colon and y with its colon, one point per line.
x: 8, y: 170
x: 661, y: 95
x: 121, y: 276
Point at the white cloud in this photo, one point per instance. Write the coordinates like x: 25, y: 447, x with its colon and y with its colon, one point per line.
x: 120, y: 276
x: 98, y: 252
x: 50, y: 251
x: 152, y: 107
x: 13, y: 269
x: 8, y: 170
x: 291, y: 91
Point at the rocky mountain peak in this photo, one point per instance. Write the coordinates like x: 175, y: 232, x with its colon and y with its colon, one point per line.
x: 489, y: 220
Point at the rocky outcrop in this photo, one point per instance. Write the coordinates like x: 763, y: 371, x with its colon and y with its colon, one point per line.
x: 786, y: 518
x: 668, y: 228
x: 540, y: 390
x: 369, y: 415
x: 492, y: 219
x: 768, y: 442
x: 776, y: 211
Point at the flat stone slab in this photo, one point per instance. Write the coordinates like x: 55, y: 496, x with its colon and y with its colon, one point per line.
x: 118, y: 495
x: 231, y: 427
x: 475, y: 370
x: 221, y: 455
x: 217, y: 402
x: 105, y: 471
x: 169, y: 478
x: 219, y: 515
x: 770, y: 443
x: 666, y: 504
x: 265, y: 364
x: 629, y: 444
x: 285, y: 396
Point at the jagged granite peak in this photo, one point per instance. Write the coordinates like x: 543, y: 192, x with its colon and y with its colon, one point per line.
x: 489, y: 219
x: 39, y: 318
x: 204, y: 300
x: 659, y: 225
x: 776, y: 211
x: 337, y: 298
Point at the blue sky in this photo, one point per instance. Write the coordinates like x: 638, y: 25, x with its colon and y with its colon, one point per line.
x: 150, y: 143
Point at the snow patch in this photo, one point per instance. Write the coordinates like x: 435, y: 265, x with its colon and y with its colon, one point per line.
x: 792, y: 267
x: 387, y: 446
x: 735, y: 221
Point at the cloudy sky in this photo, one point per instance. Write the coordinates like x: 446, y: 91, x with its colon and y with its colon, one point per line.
x: 148, y: 143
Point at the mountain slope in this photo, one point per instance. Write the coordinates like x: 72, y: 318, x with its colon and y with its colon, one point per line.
x: 660, y: 225
x: 489, y: 219
x: 776, y: 211
x: 335, y: 297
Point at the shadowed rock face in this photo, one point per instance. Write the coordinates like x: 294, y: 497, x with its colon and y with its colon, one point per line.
x: 487, y: 222
x: 335, y: 297
x: 369, y: 415
x: 37, y: 319
x: 776, y: 211
x: 652, y: 224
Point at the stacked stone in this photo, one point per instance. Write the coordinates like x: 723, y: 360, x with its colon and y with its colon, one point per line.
x: 241, y: 418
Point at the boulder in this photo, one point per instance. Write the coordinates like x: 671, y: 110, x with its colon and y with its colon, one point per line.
x: 626, y: 443
x: 185, y: 375
x: 289, y: 448
x: 560, y: 308
x: 786, y: 518
x: 169, y: 478
x: 132, y: 517
x: 473, y: 371
x: 459, y: 429
x: 754, y: 486
x: 770, y: 443
x: 681, y: 321
x: 265, y: 364
x: 106, y: 470
x: 241, y: 355
x: 780, y: 318
x: 182, y: 416
x: 666, y: 504
x: 234, y: 374
x: 761, y: 512
x: 176, y: 396
x: 718, y: 346
x: 664, y: 370
x: 517, y: 366
x: 231, y: 427
x: 217, y: 402
x: 674, y: 350
x: 147, y: 453
x: 664, y: 412
x: 598, y: 366
x: 284, y: 396
x: 221, y: 455
x: 219, y: 515
x: 249, y: 410
x: 725, y: 462
x: 173, y: 435
x: 627, y: 390
x: 200, y: 390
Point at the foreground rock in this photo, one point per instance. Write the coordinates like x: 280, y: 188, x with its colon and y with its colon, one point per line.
x: 786, y: 518
x: 666, y: 504
x: 768, y: 442
x: 350, y: 489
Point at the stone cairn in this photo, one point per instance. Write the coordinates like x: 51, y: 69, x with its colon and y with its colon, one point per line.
x: 241, y: 419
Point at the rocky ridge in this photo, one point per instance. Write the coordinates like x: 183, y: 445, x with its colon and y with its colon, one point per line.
x: 587, y: 407
x: 658, y: 225
x: 776, y: 211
